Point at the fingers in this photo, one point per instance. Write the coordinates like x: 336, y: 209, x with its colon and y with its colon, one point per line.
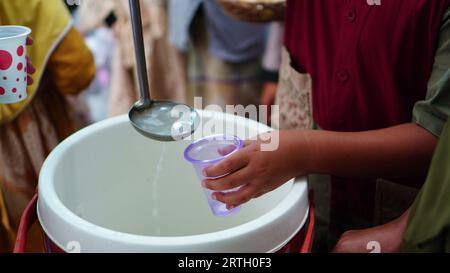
x: 234, y: 199
x: 228, y: 165
x: 29, y: 41
x: 30, y: 67
x: 269, y: 94
x: 259, y: 195
x: 228, y: 182
x: 226, y: 150
x: 261, y: 138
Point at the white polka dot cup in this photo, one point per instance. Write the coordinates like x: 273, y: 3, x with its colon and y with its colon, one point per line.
x: 13, y: 64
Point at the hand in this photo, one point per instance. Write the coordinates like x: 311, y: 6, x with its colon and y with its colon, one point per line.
x: 269, y: 93
x: 257, y: 171
x: 387, y: 237
x: 268, y: 98
x: 30, y: 68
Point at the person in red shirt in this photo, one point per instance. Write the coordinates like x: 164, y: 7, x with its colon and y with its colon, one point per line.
x: 371, y: 78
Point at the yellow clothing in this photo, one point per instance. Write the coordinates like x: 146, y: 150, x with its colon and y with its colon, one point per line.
x: 49, y: 21
x: 30, y: 130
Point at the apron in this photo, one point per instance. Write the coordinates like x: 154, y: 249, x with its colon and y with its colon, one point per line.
x: 293, y: 96
x: 294, y: 99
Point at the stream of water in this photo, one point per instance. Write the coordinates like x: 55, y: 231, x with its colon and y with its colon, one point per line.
x: 154, y: 188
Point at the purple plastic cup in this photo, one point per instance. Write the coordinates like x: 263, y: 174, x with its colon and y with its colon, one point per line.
x: 209, y: 151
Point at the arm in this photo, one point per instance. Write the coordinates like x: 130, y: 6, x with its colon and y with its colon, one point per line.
x: 399, y: 151
x: 389, y: 238
x: 71, y: 65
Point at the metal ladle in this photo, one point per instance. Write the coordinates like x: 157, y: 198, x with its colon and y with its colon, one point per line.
x: 159, y: 120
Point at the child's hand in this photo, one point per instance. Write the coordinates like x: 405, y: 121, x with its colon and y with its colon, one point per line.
x: 258, y: 172
x: 30, y: 68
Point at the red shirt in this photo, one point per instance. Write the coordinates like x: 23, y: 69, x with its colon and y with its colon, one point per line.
x: 369, y: 65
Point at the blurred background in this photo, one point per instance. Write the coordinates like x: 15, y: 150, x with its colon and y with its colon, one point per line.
x: 193, y: 48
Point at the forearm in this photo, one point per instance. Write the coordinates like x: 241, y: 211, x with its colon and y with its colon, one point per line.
x: 401, y: 151
x: 389, y: 237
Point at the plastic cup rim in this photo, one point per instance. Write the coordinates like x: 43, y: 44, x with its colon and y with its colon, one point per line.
x: 240, y: 145
x: 26, y: 31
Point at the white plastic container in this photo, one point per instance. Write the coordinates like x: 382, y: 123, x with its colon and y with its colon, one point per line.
x: 109, y: 189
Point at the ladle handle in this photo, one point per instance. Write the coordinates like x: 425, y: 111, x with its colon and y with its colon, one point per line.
x: 136, y: 23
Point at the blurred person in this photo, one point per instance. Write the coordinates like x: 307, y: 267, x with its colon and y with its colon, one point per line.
x: 31, y: 129
x: 101, y: 42
x: 223, y: 55
x: 166, y: 71
x: 271, y: 64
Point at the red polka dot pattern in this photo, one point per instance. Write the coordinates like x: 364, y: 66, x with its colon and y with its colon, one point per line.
x: 20, y: 51
x: 8, y: 61
x: 5, y: 60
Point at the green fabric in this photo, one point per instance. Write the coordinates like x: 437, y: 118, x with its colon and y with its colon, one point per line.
x: 432, y: 113
x: 428, y: 228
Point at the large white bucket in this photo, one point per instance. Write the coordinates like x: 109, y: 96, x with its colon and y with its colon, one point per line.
x: 109, y: 189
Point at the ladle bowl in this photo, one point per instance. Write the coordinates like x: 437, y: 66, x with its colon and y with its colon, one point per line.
x: 151, y: 119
